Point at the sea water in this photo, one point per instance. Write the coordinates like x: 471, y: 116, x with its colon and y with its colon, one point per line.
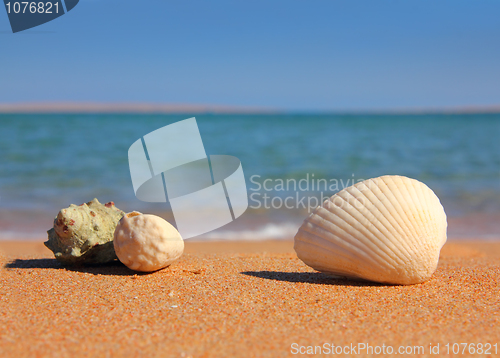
x: 48, y: 161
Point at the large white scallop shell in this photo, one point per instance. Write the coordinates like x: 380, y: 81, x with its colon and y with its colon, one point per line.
x: 388, y: 229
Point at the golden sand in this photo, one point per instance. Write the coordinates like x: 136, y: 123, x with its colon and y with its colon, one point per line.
x: 240, y: 299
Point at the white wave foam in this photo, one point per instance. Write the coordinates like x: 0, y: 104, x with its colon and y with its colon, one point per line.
x: 271, y: 231
x: 266, y: 232
x: 22, y: 236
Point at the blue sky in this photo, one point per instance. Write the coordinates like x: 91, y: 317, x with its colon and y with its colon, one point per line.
x: 291, y: 55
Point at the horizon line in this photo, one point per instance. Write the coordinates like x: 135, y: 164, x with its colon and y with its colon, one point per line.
x: 74, y: 107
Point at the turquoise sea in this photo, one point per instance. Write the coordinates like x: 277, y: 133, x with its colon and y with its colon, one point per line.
x: 48, y: 161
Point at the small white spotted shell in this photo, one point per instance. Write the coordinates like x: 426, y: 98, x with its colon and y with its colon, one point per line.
x: 388, y: 229
x: 146, y: 242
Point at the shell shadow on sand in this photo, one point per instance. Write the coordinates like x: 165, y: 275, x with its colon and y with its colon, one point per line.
x: 114, y: 268
x: 317, y: 278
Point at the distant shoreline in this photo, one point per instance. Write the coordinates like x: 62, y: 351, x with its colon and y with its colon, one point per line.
x: 165, y: 108
x: 92, y: 107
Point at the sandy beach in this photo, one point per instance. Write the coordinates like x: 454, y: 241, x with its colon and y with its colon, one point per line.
x: 242, y: 299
